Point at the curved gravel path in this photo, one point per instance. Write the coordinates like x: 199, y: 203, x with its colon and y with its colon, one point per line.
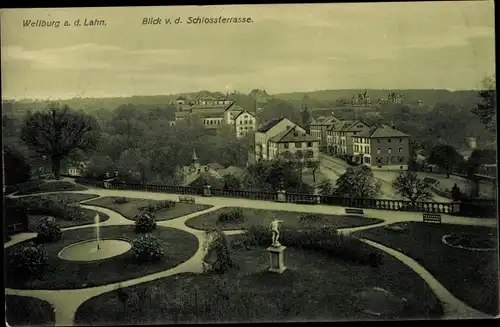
x: 66, y: 302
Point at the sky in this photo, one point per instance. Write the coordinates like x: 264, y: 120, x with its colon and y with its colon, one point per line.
x: 286, y: 48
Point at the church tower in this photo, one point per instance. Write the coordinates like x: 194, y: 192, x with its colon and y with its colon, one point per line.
x: 194, y: 162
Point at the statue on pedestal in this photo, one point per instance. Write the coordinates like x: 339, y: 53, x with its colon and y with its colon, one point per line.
x: 274, y: 227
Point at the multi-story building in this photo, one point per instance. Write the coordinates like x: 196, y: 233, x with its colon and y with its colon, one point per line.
x: 268, y: 130
x: 382, y: 147
x: 319, y: 127
x: 340, y: 136
x: 216, y: 111
x: 293, y: 143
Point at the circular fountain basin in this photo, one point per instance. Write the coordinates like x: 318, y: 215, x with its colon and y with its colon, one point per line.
x: 470, y: 242
x: 88, y: 251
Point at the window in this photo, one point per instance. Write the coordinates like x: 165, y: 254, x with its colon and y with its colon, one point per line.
x: 285, y: 145
x: 367, y: 149
x: 367, y: 160
x: 389, y: 140
x: 246, y: 116
x: 378, y: 151
x: 400, y: 159
x: 399, y: 141
x: 378, y: 141
x: 355, y: 133
x: 241, y: 127
x: 309, y: 144
x: 246, y: 121
x: 389, y: 150
x: 356, y: 148
x: 298, y: 144
x: 400, y: 149
x: 359, y: 126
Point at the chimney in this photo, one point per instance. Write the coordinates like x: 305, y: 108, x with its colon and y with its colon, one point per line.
x: 471, y: 141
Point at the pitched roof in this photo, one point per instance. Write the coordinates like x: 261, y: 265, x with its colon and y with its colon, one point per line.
x: 354, y: 126
x: 216, y: 166
x: 233, y: 170
x: 292, y: 135
x: 210, y: 114
x: 242, y: 112
x: 382, y: 131
x: 268, y: 125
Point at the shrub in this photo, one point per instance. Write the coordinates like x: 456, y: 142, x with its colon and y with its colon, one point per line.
x: 325, y: 240
x: 311, y: 218
x: 121, y: 200
x: 147, y: 248
x: 28, y: 260
x: 235, y: 215
x: 218, y: 256
x: 48, y: 231
x: 157, y: 206
x: 56, y: 207
x: 144, y: 222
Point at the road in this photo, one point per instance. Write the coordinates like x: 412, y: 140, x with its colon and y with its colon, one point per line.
x: 333, y: 167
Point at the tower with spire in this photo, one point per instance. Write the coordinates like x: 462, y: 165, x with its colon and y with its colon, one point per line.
x: 195, y: 165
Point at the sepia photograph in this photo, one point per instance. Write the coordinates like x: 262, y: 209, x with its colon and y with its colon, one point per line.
x: 249, y: 163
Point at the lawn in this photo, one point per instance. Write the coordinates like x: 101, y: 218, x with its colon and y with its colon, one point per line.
x: 314, y: 287
x: 470, y: 276
x: 35, y: 219
x: 264, y: 217
x: 52, y: 186
x: 131, y: 209
x: 65, y: 197
x: 28, y: 311
x: 62, y: 274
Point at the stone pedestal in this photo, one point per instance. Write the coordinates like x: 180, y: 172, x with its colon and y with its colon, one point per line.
x: 281, y: 196
x: 207, y: 190
x: 276, y: 259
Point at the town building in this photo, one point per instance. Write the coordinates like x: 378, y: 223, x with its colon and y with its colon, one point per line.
x: 318, y: 128
x: 382, y: 147
x: 277, y: 132
x: 293, y: 143
x: 340, y: 136
x: 242, y: 120
x: 212, y: 173
x: 215, y: 112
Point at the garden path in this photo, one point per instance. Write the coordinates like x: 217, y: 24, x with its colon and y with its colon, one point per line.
x: 66, y: 302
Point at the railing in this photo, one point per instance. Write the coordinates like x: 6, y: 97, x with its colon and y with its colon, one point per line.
x: 377, y: 204
x: 247, y: 194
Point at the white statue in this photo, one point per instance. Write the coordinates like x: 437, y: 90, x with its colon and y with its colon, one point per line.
x: 274, y: 227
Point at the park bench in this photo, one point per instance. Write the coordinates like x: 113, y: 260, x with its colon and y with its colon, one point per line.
x: 432, y: 218
x: 186, y: 199
x: 354, y: 211
x: 15, y: 227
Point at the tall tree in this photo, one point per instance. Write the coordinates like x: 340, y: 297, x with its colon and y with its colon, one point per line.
x: 486, y: 108
x: 57, y: 132
x: 479, y: 157
x: 314, y: 166
x: 408, y: 185
x: 16, y: 167
x: 357, y: 182
x: 446, y: 157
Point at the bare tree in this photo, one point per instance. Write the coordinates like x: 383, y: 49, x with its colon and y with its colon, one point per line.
x: 408, y: 185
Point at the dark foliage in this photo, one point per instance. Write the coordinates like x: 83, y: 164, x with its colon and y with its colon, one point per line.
x: 147, y: 248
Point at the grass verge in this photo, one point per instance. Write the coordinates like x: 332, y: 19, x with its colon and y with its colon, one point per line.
x: 52, y: 186
x: 131, y: 208
x: 263, y: 217
x: 28, y: 311
x: 314, y: 287
x: 62, y: 274
x: 470, y: 276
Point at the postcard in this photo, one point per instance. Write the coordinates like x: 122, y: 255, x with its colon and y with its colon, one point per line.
x: 249, y: 163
